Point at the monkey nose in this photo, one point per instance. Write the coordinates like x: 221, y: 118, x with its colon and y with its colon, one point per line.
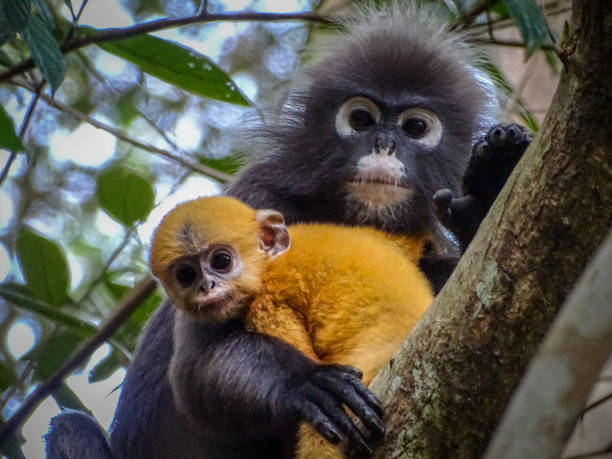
x: 384, y: 146
x: 206, y: 285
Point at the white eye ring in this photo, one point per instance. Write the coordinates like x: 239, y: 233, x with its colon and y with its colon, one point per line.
x: 432, y: 135
x: 343, y: 117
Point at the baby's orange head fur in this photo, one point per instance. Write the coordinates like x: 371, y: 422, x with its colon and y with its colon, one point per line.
x: 188, y: 238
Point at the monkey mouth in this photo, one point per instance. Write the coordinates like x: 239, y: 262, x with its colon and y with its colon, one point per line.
x: 220, y: 307
x: 205, y: 303
x: 381, y: 192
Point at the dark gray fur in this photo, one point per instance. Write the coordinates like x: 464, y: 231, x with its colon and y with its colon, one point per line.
x: 221, y: 392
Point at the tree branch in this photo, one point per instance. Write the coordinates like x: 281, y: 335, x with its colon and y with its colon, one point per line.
x: 128, y: 305
x: 165, y: 23
x: 538, y: 420
x: 448, y: 385
x: 201, y: 168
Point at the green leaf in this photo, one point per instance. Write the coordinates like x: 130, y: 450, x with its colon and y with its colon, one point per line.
x: 11, y: 448
x: 44, y: 267
x: 8, y: 138
x: 45, y: 13
x: 21, y: 297
x: 45, y: 51
x: 530, y: 21
x: 57, y: 350
x: 7, y: 376
x: 176, y: 64
x: 5, y: 37
x: 14, y: 15
x: 228, y: 164
x: 105, y: 368
x: 66, y: 398
x: 125, y: 195
x: 5, y: 60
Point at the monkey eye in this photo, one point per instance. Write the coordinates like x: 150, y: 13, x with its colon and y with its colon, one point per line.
x: 415, y: 127
x: 185, y: 274
x: 361, y: 119
x: 421, y: 125
x: 221, y: 261
x: 356, y: 114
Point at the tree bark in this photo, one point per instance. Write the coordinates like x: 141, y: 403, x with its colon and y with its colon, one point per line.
x: 447, y: 387
x: 537, y: 422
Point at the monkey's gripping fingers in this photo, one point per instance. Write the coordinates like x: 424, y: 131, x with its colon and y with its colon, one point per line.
x: 320, y: 401
x: 493, y: 159
x: 355, y: 395
x: 462, y: 216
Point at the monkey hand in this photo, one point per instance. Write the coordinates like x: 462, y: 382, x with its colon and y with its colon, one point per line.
x: 493, y: 159
x: 319, y: 401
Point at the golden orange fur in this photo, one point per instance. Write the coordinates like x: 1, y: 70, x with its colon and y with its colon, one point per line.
x: 340, y: 295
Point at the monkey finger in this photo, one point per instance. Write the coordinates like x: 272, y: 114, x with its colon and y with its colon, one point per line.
x: 369, y: 397
x: 348, y: 369
x: 334, y: 411
x: 351, y: 398
x: 443, y: 200
x: 322, y: 424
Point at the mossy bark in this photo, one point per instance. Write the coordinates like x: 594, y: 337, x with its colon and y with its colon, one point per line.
x: 446, y: 389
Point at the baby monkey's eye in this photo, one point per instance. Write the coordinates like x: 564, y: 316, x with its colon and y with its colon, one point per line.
x: 221, y: 261
x: 185, y: 275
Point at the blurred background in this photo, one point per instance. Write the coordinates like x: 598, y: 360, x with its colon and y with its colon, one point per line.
x: 121, y: 133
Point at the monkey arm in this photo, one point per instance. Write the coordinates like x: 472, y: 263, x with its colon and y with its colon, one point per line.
x: 493, y: 159
x: 229, y: 379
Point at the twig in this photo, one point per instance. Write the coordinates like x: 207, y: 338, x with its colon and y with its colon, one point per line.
x: 133, y: 299
x: 512, y: 44
x: 165, y: 23
x: 24, y: 126
x: 203, y: 169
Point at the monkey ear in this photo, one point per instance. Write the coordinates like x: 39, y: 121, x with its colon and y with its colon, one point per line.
x: 273, y: 234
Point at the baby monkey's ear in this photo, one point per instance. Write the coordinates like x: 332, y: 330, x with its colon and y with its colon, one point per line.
x: 273, y: 235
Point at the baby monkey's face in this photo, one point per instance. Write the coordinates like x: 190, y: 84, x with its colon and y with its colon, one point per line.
x: 205, y: 284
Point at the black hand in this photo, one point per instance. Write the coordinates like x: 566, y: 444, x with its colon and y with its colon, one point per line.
x: 493, y: 159
x: 319, y: 401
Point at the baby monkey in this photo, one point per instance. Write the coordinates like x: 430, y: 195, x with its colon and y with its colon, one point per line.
x: 340, y: 295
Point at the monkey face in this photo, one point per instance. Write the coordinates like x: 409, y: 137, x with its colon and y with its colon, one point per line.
x: 204, y: 285
x: 383, y: 178
x: 380, y: 120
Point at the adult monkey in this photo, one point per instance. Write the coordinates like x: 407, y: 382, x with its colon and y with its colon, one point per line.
x: 383, y: 119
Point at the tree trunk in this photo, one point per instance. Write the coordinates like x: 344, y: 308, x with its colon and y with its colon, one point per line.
x: 447, y: 387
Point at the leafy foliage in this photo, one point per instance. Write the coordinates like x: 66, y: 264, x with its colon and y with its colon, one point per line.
x: 125, y: 195
x: 44, y: 267
x: 530, y: 21
x: 8, y: 138
x: 177, y: 65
